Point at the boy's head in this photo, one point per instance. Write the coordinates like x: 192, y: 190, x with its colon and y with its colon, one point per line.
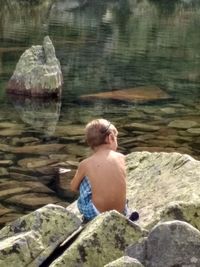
x: 97, y: 131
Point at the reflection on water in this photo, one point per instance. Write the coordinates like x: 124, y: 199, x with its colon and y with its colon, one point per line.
x: 102, y: 46
x: 41, y: 114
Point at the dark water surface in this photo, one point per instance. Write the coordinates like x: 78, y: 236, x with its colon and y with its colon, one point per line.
x: 103, y: 46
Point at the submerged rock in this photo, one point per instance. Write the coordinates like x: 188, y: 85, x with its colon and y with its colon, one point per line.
x: 10, y: 129
x: 194, y: 131
x: 38, y: 72
x: 139, y: 94
x: 32, y: 201
x: 182, y: 124
x: 45, y: 149
x: 141, y: 127
x: 31, y: 163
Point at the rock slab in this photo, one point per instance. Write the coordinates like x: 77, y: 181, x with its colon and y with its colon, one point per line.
x: 141, y: 94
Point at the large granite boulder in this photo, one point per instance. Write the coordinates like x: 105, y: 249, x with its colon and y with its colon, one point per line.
x: 157, y: 179
x: 184, y: 211
x: 38, y: 72
x: 102, y: 241
x: 29, y: 240
x: 173, y: 243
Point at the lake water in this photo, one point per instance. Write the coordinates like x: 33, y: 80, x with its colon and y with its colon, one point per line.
x: 102, y: 46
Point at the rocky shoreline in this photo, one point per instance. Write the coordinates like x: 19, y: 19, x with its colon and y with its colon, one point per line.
x: 30, y: 161
x: 163, y: 187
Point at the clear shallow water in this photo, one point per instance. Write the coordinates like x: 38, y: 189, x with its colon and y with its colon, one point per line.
x: 108, y: 45
x: 102, y: 46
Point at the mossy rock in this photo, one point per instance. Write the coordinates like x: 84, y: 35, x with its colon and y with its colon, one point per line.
x: 102, y: 241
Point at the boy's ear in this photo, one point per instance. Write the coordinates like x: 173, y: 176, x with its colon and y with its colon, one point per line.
x: 108, y: 139
x: 111, y: 137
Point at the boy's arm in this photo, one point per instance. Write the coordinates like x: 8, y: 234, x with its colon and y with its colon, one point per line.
x: 78, y: 177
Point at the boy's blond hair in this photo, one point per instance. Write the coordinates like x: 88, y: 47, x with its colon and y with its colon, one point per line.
x: 97, y: 130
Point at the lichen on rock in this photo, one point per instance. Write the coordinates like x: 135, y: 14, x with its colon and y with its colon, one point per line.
x: 38, y: 72
x: 184, y: 211
x: 29, y: 240
x: 104, y: 240
x: 157, y: 179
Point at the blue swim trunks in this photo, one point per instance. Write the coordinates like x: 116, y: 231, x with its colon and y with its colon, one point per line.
x: 88, y: 209
x: 85, y: 205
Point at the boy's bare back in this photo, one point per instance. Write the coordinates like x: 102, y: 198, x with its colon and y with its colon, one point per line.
x: 105, y: 170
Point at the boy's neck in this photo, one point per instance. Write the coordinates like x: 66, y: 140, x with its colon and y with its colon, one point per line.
x: 102, y: 147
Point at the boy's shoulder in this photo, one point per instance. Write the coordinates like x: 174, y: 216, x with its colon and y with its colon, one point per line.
x: 118, y: 154
x: 85, y: 162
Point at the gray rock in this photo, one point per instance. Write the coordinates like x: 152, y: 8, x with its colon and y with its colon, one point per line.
x: 156, y: 179
x: 184, y: 211
x: 38, y: 72
x: 138, y: 250
x: 29, y: 240
x: 173, y: 243
x: 124, y: 261
x: 103, y: 241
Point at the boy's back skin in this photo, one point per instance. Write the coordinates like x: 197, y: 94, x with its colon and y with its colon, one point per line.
x: 106, y: 172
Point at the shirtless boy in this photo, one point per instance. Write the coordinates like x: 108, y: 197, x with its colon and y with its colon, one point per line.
x: 101, y: 178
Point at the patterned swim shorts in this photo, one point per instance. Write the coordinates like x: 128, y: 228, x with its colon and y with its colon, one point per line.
x: 85, y: 205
